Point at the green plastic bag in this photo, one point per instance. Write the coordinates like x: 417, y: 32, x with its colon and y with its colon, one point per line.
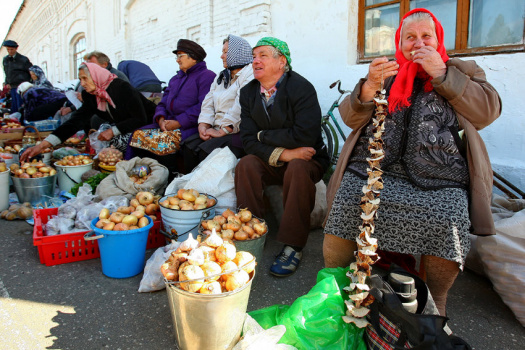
x: 314, y: 321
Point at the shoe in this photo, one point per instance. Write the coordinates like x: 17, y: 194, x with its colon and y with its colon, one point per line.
x: 286, y: 262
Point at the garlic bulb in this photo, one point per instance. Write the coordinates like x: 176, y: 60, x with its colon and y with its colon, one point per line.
x: 192, y: 272
x: 228, y: 266
x: 214, y: 240
x: 209, y: 253
x: 245, y: 260
x: 189, y: 244
x: 211, y: 268
x: 211, y: 288
x: 236, y: 280
x: 225, y: 252
x: 196, y: 257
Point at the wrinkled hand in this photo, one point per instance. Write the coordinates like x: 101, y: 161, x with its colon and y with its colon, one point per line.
x: 304, y: 153
x: 106, y: 135
x: 34, y: 151
x: 380, y: 69
x: 65, y: 110
x: 168, y: 125
x: 215, y: 133
x: 203, y: 127
x: 430, y: 60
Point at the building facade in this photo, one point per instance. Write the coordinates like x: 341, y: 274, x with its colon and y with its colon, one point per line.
x: 329, y: 40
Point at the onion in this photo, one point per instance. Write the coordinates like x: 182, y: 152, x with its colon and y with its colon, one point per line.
x: 211, y: 268
x: 240, y: 235
x: 211, y: 288
x: 245, y: 215
x: 227, y: 234
x: 196, y: 257
x: 209, y: 253
x: 228, y: 266
x: 194, y: 273
x: 213, y: 240
x: 227, y: 213
x: 189, y: 244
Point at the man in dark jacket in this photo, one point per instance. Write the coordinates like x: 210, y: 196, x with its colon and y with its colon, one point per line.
x: 16, y: 69
x: 281, y: 133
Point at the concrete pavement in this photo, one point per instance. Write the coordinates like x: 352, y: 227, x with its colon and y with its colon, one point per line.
x: 74, y: 306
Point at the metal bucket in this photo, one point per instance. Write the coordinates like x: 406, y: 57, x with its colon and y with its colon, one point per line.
x: 34, y: 191
x: 208, y: 321
x: 4, y: 190
x: 69, y: 176
x: 179, y: 223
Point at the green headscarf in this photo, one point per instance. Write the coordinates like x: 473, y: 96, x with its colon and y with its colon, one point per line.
x: 279, y: 45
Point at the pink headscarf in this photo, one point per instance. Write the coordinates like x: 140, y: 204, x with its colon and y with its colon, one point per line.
x: 102, y: 78
x: 408, y: 70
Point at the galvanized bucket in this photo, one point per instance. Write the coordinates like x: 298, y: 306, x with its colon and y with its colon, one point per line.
x: 69, y: 176
x: 177, y: 224
x: 208, y: 321
x: 4, y: 190
x: 35, y: 191
x: 253, y: 246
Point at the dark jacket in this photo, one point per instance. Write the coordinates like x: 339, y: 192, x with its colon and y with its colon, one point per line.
x: 183, y: 98
x: 132, y: 111
x: 139, y: 74
x: 295, y: 119
x: 16, y: 69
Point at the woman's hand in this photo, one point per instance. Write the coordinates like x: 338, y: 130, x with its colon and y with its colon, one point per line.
x: 304, y: 153
x: 34, y: 151
x: 106, y: 135
x: 215, y: 133
x: 379, y: 69
x: 170, y: 125
x: 431, y: 61
x: 203, y: 128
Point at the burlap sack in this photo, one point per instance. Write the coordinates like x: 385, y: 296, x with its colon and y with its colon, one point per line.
x: 120, y: 184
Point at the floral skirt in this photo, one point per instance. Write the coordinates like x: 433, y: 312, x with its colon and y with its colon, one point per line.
x: 410, y: 220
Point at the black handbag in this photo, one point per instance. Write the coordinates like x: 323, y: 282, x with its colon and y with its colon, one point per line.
x: 393, y: 327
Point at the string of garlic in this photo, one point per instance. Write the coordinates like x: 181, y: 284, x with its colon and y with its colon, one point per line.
x: 366, y: 255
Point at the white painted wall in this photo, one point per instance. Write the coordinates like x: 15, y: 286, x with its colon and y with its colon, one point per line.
x: 322, y: 36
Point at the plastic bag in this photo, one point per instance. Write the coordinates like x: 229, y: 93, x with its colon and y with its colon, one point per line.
x: 119, y: 183
x: 153, y: 280
x: 86, y: 215
x: 215, y: 176
x: 314, y: 321
x: 68, y: 211
x: 65, y: 151
x: 94, y: 142
x: 60, y: 225
x: 84, y: 198
x: 254, y: 337
x: 110, y: 156
x: 114, y: 202
x: 503, y: 255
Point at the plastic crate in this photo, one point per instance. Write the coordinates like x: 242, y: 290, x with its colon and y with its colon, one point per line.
x: 71, y: 247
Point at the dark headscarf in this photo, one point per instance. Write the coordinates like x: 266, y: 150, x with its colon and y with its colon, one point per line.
x: 238, y: 56
x: 41, y: 80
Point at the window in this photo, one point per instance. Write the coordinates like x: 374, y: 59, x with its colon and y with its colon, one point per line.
x: 471, y: 26
x: 78, y: 54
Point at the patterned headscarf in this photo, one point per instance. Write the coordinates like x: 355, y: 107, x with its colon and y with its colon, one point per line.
x: 238, y: 56
x: 279, y: 45
x: 102, y: 78
x: 408, y: 70
x: 41, y: 80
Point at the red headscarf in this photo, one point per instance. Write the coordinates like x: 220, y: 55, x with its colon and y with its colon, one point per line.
x: 402, y: 87
x: 102, y: 78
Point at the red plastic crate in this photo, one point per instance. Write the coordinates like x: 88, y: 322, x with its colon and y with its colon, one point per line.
x: 71, y: 247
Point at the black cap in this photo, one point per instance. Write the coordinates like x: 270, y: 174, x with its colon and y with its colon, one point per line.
x: 192, y: 48
x: 10, y: 43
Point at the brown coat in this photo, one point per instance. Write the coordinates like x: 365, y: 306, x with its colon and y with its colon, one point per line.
x: 476, y: 103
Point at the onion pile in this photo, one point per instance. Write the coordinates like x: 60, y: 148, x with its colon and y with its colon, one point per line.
x: 74, y: 160
x: 188, y: 199
x: 131, y: 217
x: 110, y: 156
x: 13, y: 150
x: 366, y: 254
x: 213, y: 266
x: 18, y: 211
x: 239, y: 226
x: 35, y: 169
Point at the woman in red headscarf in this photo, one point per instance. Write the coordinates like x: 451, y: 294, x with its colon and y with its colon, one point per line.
x: 110, y: 98
x: 437, y: 186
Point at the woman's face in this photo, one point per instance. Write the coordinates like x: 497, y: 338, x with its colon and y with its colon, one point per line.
x: 224, y: 54
x: 185, y: 61
x: 33, y: 76
x: 415, y: 35
x: 86, y: 81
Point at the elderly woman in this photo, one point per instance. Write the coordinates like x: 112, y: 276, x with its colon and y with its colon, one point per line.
x: 220, y: 115
x: 39, y: 103
x: 433, y: 179
x: 181, y: 105
x: 38, y: 77
x: 112, y: 99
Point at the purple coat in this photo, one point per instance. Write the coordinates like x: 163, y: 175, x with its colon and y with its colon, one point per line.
x: 183, y: 98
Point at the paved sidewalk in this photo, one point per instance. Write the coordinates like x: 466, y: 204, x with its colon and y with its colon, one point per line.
x: 74, y: 306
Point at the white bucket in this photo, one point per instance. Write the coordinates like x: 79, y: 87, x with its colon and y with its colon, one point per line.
x: 4, y: 190
x: 179, y: 223
x: 69, y: 176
